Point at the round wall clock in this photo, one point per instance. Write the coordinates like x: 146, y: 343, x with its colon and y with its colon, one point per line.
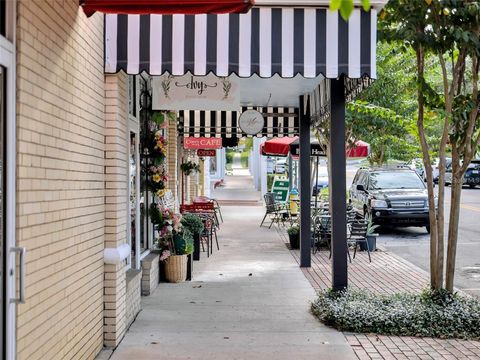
x: 251, y: 122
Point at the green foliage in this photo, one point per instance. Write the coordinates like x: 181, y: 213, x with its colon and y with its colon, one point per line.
x: 244, y: 159
x: 193, y: 223
x: 346, y: 7
x: 430, y: 314
x: 293, y: 230
x: 189, y: 167
x: 183, y: 243
x: 371, y: 227
x: 229, y: 154
x: 270, y: 178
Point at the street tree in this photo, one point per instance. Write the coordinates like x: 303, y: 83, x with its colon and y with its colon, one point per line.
x: 450, y: 30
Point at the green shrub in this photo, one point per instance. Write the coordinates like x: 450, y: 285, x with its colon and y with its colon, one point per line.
x: 293, y: 230
x: 229, y: 153
x: 270, y: 178
x: 244, y: 159
x: 193, y: 223
x: 430, y: 314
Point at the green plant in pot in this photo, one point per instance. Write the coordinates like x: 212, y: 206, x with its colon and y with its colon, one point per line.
x: 194, y: 224
x: 371, y: 236
x: 189, y: 167
x: 294, y: 236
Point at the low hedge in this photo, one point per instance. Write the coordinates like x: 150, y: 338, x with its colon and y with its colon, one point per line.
x: 429, y: 314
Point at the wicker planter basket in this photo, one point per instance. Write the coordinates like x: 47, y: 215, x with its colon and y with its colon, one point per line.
x: 176, y: 268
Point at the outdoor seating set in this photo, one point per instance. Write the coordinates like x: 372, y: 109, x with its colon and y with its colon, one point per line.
x: 358, y: 228
x: 208, y: 210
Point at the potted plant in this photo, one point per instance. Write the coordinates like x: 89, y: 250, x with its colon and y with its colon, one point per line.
x: 194, y: 224
x: 371, y: 236
x: 294, y: 236
x: 189, y: 167
x: 176, y: 263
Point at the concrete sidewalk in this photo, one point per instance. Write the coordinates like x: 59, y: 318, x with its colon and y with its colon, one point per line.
x: 250, y: 300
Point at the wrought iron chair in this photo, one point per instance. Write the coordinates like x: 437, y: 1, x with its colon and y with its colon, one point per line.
x: 278, y: 212
x: 358, y: 234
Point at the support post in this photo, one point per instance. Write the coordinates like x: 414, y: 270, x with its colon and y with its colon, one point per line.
x: 305, y: 184
x: 290, y: 170
x: 338, y: 198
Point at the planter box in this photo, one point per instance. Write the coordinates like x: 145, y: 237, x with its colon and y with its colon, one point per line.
x: 176, y: 268
x: 294, y: 241
x: 372, y: 243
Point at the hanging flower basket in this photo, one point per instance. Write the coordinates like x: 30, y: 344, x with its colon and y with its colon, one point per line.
x: 176, y: 268
x: 189, y: 168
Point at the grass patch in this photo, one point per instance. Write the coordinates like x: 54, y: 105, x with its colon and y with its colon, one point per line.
x: 429, y: 314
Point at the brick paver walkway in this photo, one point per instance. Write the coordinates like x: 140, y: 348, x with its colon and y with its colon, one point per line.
x: 387, y: 273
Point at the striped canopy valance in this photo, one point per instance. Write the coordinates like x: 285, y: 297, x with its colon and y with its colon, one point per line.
x: 279, y: 122
x: 265, y: 41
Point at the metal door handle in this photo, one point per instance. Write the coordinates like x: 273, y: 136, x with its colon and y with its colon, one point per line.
x: 21, y: 296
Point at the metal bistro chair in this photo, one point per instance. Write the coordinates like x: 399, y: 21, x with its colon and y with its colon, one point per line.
x: 277, y: 211
x: 358, y: 234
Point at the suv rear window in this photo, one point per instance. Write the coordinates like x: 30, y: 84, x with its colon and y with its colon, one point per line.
x: 395, y: 180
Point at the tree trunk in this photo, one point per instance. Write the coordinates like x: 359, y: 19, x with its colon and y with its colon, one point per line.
x: 435, y: 282
x: 457, y: 179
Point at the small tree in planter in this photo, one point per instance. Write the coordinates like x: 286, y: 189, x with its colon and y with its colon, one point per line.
x: 294, y: 236
x: 371, y: 236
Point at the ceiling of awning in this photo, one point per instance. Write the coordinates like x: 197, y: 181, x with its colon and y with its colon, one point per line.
x: 265, y: 41
x: 279, y: 122
x: 166, y: 6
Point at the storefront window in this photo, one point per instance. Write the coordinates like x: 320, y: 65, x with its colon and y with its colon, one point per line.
x: 133, y: 191
x: 2, y: 18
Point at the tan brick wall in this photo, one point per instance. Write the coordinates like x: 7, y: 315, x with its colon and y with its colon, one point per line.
x: 116, y: 195
x: 134, y: 303
x: 60, y: 179
x: 150, y: 273
x: 172, y: 157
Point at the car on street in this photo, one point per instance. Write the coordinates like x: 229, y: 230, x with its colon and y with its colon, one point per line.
x: 391, y: 196
x: 436, y: 170
x: 471, y: 176
x: 417, y: 165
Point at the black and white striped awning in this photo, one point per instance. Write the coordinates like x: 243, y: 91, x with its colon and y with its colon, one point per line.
x: 265, y: 41
x: 279, y: 122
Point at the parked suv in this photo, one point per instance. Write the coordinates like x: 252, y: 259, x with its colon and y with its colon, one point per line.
x: 471, y: 176
x: 395, y: 196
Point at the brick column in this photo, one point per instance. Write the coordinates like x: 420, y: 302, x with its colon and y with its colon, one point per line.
x: 116, y: 170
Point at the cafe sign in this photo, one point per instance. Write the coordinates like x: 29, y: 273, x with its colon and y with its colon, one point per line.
x: 189, y: 92
x: 202, y: 143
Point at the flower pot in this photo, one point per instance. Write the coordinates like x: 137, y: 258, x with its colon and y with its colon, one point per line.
x: 294, y: 241
x: 372, y: 243
x: 176, y: 268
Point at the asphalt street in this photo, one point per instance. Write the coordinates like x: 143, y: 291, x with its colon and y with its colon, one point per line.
x: 413, y: 243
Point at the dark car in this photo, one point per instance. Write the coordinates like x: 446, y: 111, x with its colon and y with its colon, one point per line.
x: 471, y: 176
x: 395, y: 196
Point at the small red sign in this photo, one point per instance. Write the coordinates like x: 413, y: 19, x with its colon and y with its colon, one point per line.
x: 206, y: 152
x: 202, y: 143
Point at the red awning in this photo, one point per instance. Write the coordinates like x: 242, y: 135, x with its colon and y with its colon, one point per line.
x: 360, y: 149
x: 277, y: 146
x: 166, y: 7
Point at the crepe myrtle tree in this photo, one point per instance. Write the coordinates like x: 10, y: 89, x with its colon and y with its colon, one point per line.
x: 449, y: 30
x: 345, y: 7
